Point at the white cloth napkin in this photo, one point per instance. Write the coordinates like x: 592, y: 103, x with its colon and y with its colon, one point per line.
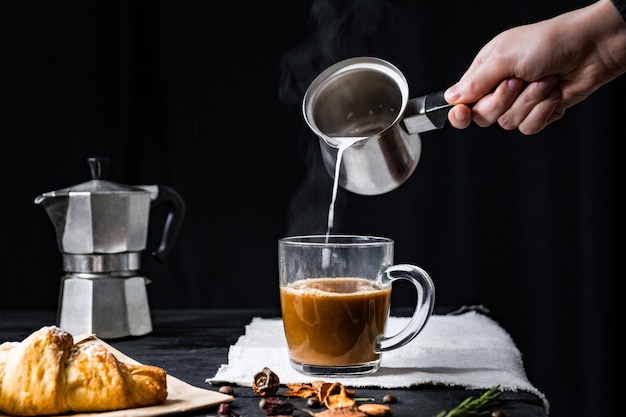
x: 469, y: 350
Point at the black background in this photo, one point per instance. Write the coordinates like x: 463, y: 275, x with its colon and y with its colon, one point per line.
x: 205, y: 97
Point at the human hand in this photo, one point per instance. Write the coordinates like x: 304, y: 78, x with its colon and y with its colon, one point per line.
x: 526, y: 77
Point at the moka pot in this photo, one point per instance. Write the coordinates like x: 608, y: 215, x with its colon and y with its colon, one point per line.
x: 101, y: 229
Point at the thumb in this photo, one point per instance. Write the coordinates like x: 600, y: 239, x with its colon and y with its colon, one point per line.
x: 471, y: 87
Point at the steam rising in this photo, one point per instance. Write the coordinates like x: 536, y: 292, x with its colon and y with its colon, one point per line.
x: 339, y: 29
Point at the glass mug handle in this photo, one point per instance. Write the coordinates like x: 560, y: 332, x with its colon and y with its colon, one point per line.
x: 423, y: 309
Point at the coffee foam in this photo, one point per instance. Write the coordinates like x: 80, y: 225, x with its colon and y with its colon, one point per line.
x: 332, y: 287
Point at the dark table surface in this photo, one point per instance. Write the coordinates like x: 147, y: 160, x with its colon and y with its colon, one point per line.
x: 192, y: 344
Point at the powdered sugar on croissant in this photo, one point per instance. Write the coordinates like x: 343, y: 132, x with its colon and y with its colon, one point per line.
x: 48, y: 374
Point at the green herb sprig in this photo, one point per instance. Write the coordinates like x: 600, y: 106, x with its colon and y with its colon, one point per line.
x: 474, y: 406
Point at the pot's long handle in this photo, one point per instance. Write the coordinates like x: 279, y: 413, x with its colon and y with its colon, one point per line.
x: 426, y: 113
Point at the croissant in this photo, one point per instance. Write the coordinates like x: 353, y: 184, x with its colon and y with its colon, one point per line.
x: 48, y: 374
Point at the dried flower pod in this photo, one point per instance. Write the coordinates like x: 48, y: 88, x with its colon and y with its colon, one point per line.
x: 276, y: 406
x: 265, y: 383
x: 339, y: 400
x: 376, y: 410
x: 335, y: 395
x: 300, y: 390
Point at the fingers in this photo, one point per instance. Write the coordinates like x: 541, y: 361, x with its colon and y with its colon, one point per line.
x: 460, y: 116
x: 493, y: 65
x: 532, y: 108
x: 540, y: 115
x: 488, y: 109
x: 512, y: 105
x: 480, y: 79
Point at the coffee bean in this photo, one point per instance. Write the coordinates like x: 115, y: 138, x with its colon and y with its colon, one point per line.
x: 390, y: 399
x: 313, y: 402
x: 224, y: 409
x: 226, y: 389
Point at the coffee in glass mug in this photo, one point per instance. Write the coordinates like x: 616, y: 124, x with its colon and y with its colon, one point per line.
x: 335, y: 294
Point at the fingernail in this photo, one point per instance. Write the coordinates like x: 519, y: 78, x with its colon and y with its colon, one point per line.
x: 459, y: 115
x: 452, y: 94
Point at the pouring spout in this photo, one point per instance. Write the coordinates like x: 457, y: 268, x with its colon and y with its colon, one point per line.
x: 429, y: 112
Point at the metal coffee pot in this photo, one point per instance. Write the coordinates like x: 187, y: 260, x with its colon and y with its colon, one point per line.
x: 362, y: 106
x: 102, y: 229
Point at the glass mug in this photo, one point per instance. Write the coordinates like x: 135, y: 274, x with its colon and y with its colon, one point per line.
x: 335, y: 295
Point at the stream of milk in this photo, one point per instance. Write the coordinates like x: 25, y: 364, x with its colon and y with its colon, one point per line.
x: 345, y: 143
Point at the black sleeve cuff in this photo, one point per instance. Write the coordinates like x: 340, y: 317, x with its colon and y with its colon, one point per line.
x: 620, y: 5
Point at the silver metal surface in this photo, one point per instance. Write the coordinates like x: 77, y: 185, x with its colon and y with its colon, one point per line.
x: 123, y: 264
x: 366, y: 99
x: 102, y: 221
x: 377, y: 166
x: 107, y: 306
x: 101, y: 230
